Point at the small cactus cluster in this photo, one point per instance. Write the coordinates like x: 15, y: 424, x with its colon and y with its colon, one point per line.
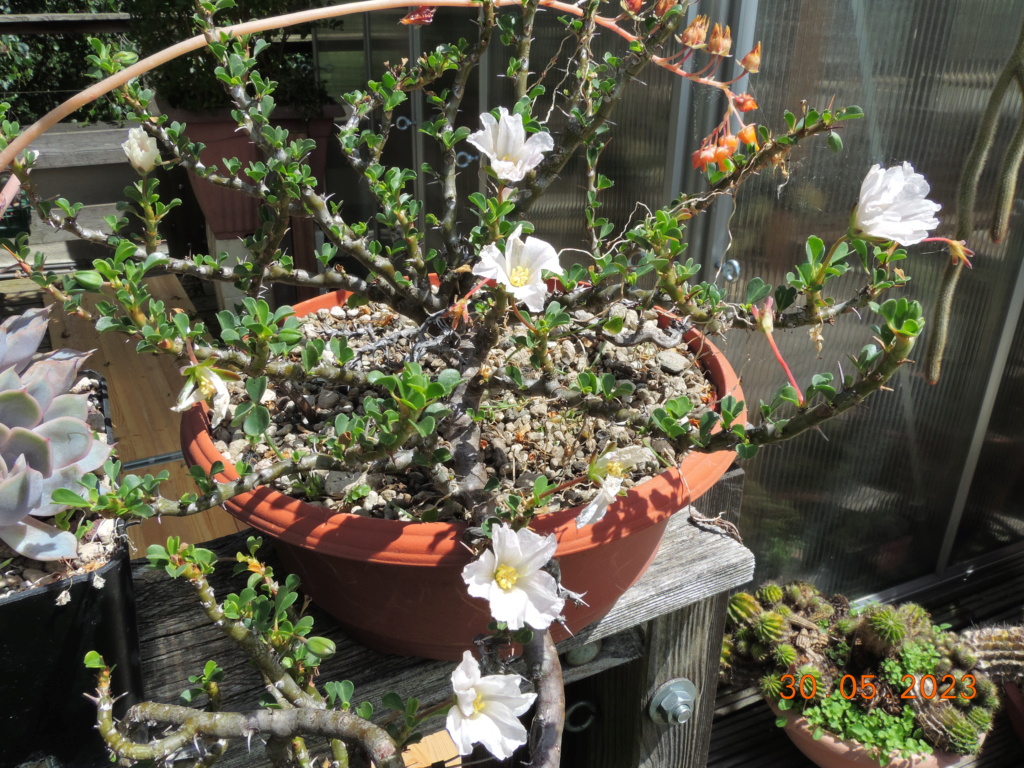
x: 45, y: 440
x: 794, y: 643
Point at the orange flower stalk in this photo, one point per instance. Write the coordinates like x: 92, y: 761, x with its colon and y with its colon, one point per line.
x: 765, y: 322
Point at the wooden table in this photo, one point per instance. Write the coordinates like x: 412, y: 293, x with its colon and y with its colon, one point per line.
x: 669, y: 625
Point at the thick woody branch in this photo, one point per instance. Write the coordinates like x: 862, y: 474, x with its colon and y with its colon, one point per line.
x: 191, y: 725
x: 545, y: 671
x: 225, y: 491
x: 812, y: 418
x: 287, y: 723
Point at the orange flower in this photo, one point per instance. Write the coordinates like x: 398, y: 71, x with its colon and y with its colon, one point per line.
x: 632, y: 7
x: 696, y: 33
x: 752, y: 61
x: 744, y: 102
x: 749, y: 135
x: 730, y: 142
x: 703, y: 157
x: 720, y: 42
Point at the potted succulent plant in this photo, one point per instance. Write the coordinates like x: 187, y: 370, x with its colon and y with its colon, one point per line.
x: 54, y: 615
x: 877, y: 685
x: 465, y: 405
x: 441, y: 337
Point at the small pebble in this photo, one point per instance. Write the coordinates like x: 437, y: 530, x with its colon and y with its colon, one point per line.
x: 672, y: 362
x: 32, y: 575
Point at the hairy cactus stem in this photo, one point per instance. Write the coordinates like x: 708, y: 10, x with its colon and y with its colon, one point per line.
x: 1000, y: 652
x: 967, y: 192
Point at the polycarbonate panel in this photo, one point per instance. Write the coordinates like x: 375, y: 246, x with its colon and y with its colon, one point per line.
x: 865, y: 504
x: 994, y: 514
x: 636, y: 152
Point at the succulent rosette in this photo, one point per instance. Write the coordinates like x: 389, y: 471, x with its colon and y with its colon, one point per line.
x: 45, y: 441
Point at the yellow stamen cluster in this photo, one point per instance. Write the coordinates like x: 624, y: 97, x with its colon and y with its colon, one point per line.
x: 478, y: 703
x: 519, y: 276
x: 615, y: 469
x: 506, y: 576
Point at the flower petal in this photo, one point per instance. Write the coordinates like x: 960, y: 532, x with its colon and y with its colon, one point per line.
x: 492, y: 265
x: 487, y: 710
x: 479, y: 575
x: 535, y: 549
x: 543, y: 605
x: 893, y: 205
x: 509, y: 605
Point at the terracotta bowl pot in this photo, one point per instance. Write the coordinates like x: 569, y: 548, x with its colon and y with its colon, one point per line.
x: 832, y: 752
x: 397, y: 586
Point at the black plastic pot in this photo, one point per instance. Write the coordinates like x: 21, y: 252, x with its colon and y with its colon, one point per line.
x: 43, y: 682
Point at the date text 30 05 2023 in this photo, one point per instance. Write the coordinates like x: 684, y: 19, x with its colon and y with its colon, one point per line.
x: 925, y: 687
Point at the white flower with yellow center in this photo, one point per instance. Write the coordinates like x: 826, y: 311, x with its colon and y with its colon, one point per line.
x: 486, y: 710
x: 608, y: 472
x: 504, y: 141
x: 894, y: 206
x: 520, y: 268
x: 204, y: 384
x: 141, y: 149
x: 511, y: 578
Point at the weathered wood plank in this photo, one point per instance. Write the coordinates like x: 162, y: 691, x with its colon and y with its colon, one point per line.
x: 143, y: 388
x: 55, y: 23
x: 176, y: 640
x: 684, y: 643
x: 70, y: 145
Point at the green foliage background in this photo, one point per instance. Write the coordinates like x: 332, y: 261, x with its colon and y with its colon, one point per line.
x: 188, y: 82
x: 38, y: 72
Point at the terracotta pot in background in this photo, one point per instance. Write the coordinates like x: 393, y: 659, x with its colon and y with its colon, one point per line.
x: 832, y: 752
x: 230, y: 213
x: 397, y: 586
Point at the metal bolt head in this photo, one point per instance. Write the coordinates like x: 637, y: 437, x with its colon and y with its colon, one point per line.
x: 731, y: 270
x: 673, y: 702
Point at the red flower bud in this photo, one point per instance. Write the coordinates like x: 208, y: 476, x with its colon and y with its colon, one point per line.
x: 419, y: 17
x: 696, y: 33
x: 744, y: 102
x: 752, y: 61
x: 749, y: 134
x: 720, y: 42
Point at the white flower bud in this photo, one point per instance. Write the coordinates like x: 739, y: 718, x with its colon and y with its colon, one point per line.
x: 141, y: 150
